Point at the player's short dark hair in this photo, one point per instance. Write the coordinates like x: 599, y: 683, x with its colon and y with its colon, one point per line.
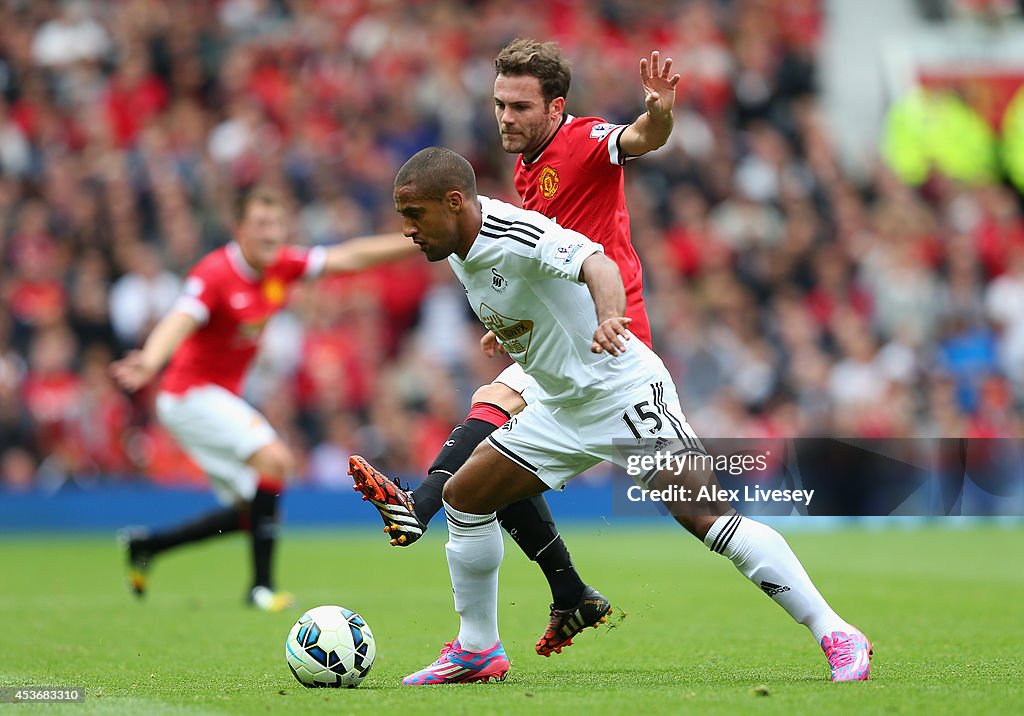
x: 435, y: 171
x: 542, y: 60
x: 256, y: 194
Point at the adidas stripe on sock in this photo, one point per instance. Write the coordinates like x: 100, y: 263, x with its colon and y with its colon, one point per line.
x: 765, y: 558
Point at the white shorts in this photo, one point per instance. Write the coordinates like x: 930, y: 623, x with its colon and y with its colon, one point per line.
x: 219, y: 431
x: 517, y: 379
x: 558, y: 443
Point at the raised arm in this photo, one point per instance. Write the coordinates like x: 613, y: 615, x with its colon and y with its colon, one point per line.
x: 367, y: 252
x: 652, y: 128
x: 138, y: 367
x: 605, y: 284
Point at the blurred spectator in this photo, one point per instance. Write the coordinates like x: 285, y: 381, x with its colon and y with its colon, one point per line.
x: 35, y: 295
x: 52, y: 392
x: 857, y: 380
x: 71, y: 36
x: 17, y: 469
x: 15, y: 152
x: 104, y: 417
x: 143, y: 294
x: 15, y: 429
x: 446, y: 331
x: 88, y: 298
x: 1004, y: 300
x: 328, y: 461
x: 134, y: 96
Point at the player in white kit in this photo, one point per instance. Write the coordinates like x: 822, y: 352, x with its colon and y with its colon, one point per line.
x: 556, y: 303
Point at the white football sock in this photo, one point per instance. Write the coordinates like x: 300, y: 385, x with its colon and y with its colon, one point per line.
x: 475, y: 550
x: 764, y: 557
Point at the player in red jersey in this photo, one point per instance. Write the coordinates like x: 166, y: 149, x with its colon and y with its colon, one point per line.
x: 569, y: 169
x: 210, y: 337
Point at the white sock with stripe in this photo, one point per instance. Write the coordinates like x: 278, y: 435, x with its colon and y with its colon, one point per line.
x: 765, y: 558
x: 475, y: 550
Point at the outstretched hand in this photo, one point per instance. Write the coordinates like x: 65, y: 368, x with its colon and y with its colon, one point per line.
x: 659, y: 84
x: 131, y: 372
x: 611, y: 335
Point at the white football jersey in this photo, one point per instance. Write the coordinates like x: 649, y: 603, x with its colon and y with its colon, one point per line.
x: 522, y: 279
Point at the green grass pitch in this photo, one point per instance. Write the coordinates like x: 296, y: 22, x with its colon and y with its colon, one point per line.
x: 944, y: 608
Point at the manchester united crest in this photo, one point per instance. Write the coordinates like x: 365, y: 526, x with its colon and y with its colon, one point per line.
x: 274, y: 291
x: 548, y: 182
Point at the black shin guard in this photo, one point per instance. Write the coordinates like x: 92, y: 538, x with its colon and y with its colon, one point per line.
x: 212, y: 524
x: 427, y: 497
x: 263, y: 532
x: 453, y: 455
x: 530, y: 524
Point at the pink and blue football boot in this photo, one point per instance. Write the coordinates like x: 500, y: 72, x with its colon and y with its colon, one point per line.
x: 458, y: 666
x: 849, y: 655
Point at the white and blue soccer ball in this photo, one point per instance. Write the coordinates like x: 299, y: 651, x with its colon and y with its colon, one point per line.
x: 330, y: 647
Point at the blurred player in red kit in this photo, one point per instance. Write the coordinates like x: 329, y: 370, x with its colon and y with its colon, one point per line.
x: 210, y: 337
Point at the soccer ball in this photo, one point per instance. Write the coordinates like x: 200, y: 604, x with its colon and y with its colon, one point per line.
x: 330, y: 646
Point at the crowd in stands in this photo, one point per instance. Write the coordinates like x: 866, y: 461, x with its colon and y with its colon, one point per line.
x: 786, y: 298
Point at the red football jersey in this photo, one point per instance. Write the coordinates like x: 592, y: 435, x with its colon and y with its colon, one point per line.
x: 577, y: 180
x: 232, y: 303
